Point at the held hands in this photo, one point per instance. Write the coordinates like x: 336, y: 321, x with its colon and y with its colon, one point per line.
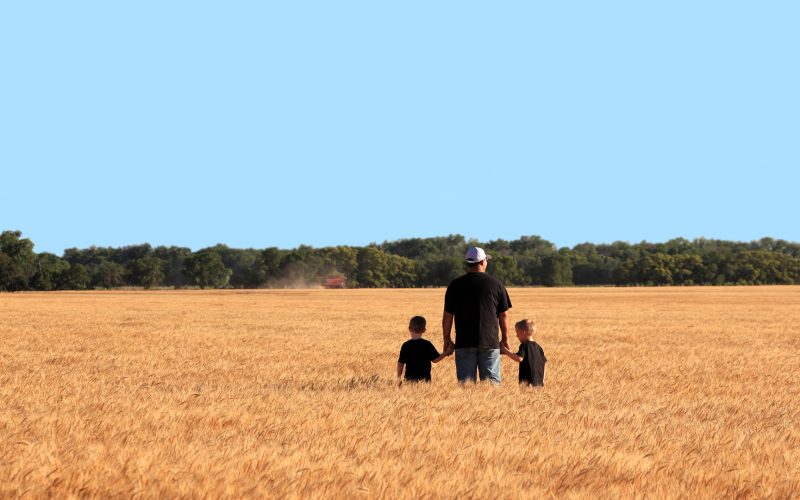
x: 449, y: 350
x: 448, y: 344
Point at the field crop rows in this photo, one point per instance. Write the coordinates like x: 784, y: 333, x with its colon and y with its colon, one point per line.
x: 648, y: 392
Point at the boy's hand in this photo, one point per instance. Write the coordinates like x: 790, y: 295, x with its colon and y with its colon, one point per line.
x: 450, y: 350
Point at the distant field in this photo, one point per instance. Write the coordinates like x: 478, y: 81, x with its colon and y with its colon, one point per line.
x: 648, y: 392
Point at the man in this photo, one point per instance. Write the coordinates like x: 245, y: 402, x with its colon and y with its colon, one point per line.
x: 479, y: 303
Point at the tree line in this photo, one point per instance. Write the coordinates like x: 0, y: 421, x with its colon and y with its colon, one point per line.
x: 406, y: 263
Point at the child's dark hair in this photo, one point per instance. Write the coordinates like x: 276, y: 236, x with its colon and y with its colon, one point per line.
x: 417, y: 324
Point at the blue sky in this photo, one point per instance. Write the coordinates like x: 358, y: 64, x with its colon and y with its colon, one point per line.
x: 262, y: 124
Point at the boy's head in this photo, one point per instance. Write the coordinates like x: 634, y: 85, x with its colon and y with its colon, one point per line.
x: 417, y: 325
x: 525, y: 329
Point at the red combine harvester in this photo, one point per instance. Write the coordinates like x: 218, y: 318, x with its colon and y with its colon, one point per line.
x: 333, y: 282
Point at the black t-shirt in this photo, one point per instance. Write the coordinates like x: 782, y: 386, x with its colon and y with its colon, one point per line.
x: 476, y: 299
x: 417, y: 355
x: 531, y: 369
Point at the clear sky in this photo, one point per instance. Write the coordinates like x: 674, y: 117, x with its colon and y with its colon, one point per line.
x: 262, y: 124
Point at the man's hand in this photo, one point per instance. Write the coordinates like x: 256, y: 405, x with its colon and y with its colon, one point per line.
x: 447, y: 327
x: 502, y: 318
x: 449, y: 350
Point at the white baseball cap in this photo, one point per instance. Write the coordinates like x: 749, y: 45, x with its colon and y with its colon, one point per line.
x: 475, y: 255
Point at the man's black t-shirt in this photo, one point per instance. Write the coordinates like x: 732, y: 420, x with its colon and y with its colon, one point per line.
x: 531, y: 368
x: 417, y: 355
x: 476, y: 299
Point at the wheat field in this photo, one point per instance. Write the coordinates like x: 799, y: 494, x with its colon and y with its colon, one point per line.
x: 669, y: 392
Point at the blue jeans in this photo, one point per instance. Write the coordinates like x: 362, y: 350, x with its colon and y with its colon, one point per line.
x: 485, y: 361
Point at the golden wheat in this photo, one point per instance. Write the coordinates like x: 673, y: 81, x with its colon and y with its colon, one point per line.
x: 291, y: 394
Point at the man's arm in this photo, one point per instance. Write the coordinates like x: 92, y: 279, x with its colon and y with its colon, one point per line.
x: 447, y: 326
x: 503, y: 319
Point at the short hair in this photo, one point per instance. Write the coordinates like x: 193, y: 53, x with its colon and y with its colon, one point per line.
x: 526, y: 325
x: 475, y: 264
x: 417, y: 324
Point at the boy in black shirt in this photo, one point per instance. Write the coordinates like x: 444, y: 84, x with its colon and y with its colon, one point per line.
x: 530, y: 355
x: 417, y: 354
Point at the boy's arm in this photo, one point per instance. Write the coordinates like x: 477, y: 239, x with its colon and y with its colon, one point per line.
x: 400, y: 367
x: 447, y: 352
x: 516, y: 357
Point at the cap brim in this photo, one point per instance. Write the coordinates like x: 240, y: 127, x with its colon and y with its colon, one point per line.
x: 468, y: 261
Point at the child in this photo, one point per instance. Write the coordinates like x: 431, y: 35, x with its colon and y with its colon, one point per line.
x: 530, y: 355
x: 417, y: 354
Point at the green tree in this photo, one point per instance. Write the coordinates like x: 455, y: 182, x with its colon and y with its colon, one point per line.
x: 109, y: 275
x: 427, y: 248
x: 147, y: 271
x: 340, y: 261
x: 372, y: 268
x: 245, y: 265
x: 77, y: 278
x: 440, y: 272
x: 300, y: 267
x: 378, y: 269
x: 51, y: 272
x: 173, y: 258
x: 687, y: 269
x: 532, y: 246
x: 17, y: 261
x: 206, y: 269
x: 504, y: 268
x: 557, y: 270
x: 401, y: 272
x: 655, y: 269
x: 589, y: 267
x: 271, y: 262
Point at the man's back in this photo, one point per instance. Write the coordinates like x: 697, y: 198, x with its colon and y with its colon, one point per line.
x: 475, y: 299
